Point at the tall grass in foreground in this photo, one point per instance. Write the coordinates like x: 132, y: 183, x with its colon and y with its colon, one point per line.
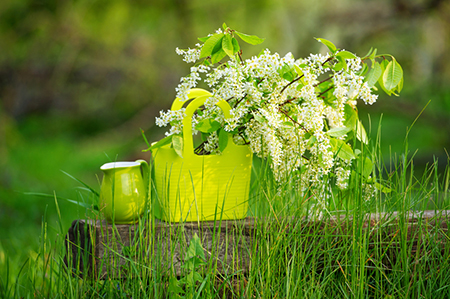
x: 292, y: 258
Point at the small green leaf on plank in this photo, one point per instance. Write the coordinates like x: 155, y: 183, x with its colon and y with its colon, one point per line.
x: 174, y: 288
x: 195, y: 248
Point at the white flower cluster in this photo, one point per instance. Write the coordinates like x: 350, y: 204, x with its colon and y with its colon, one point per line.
x: 342, y: 176
x: 211, y: 144
x: 350, y: 86
x: 279, y: 108
x: 190, y: 55
x: 174, y: 118
x: 369, y: 191
x: 190, y: 81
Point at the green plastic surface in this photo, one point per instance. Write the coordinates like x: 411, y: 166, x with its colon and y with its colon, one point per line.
x: 201, y: 187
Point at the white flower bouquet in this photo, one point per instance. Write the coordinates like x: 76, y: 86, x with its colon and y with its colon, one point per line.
x: 299, y: 113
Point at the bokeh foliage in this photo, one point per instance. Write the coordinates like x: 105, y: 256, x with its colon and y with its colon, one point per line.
x: 79, y: 78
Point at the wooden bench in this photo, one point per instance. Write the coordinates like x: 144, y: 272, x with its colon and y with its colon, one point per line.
x: 98, y: 250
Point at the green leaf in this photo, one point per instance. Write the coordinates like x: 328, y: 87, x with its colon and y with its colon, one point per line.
x: 373, y: 75
x: 192, y: 263
x: 236, y: 47
x: 177, y: 142
x: 346, y: 55
x: 287, y: 72
x: 361, y: 133
x: 259, y: 118
x: 343, y: 150
x: 298, y: 70
x: 250, y: 39
x: 82, y: 183
x: 400, y: 86
x: 210, y: 45
x: 195, y: 248
x: 129, y: 251
x: 218, y: 56
x: 53, y: 196
x: 338, y: 132
x: 369, y: 53
x: 342, y: 64
x: 365, y: 167
x: 223, y: 139
x: 145, y: 138
x: 311, y: 141
x: 372, y: 55
x: 227, y: 45
x: 287, y: 124
x: 224, y: 26
x: 197, y: 277
x: 327, y: 43
x: 204, y: 39
x: 174, y: 288
x: 351, y: 117
x: 383, y: 66
x: 162, y: 142
x: 207, y: 125
x: 383, y: 188
x: 363, y: 70
x: 392, y: 75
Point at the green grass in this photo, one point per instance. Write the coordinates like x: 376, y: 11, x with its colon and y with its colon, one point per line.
x: 291, y: 259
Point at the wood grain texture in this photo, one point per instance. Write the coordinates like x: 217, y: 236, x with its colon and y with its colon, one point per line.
x: 102, y: 251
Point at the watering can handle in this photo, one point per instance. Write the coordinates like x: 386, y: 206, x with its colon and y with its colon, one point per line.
x: 199, y: 98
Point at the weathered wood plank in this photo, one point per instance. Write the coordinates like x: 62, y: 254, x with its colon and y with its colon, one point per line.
x: 100, y: 250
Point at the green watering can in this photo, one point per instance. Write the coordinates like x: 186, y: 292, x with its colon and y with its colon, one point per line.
x: 201, y: 187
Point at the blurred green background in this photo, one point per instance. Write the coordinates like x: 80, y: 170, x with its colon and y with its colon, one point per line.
x: 80, y: 78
